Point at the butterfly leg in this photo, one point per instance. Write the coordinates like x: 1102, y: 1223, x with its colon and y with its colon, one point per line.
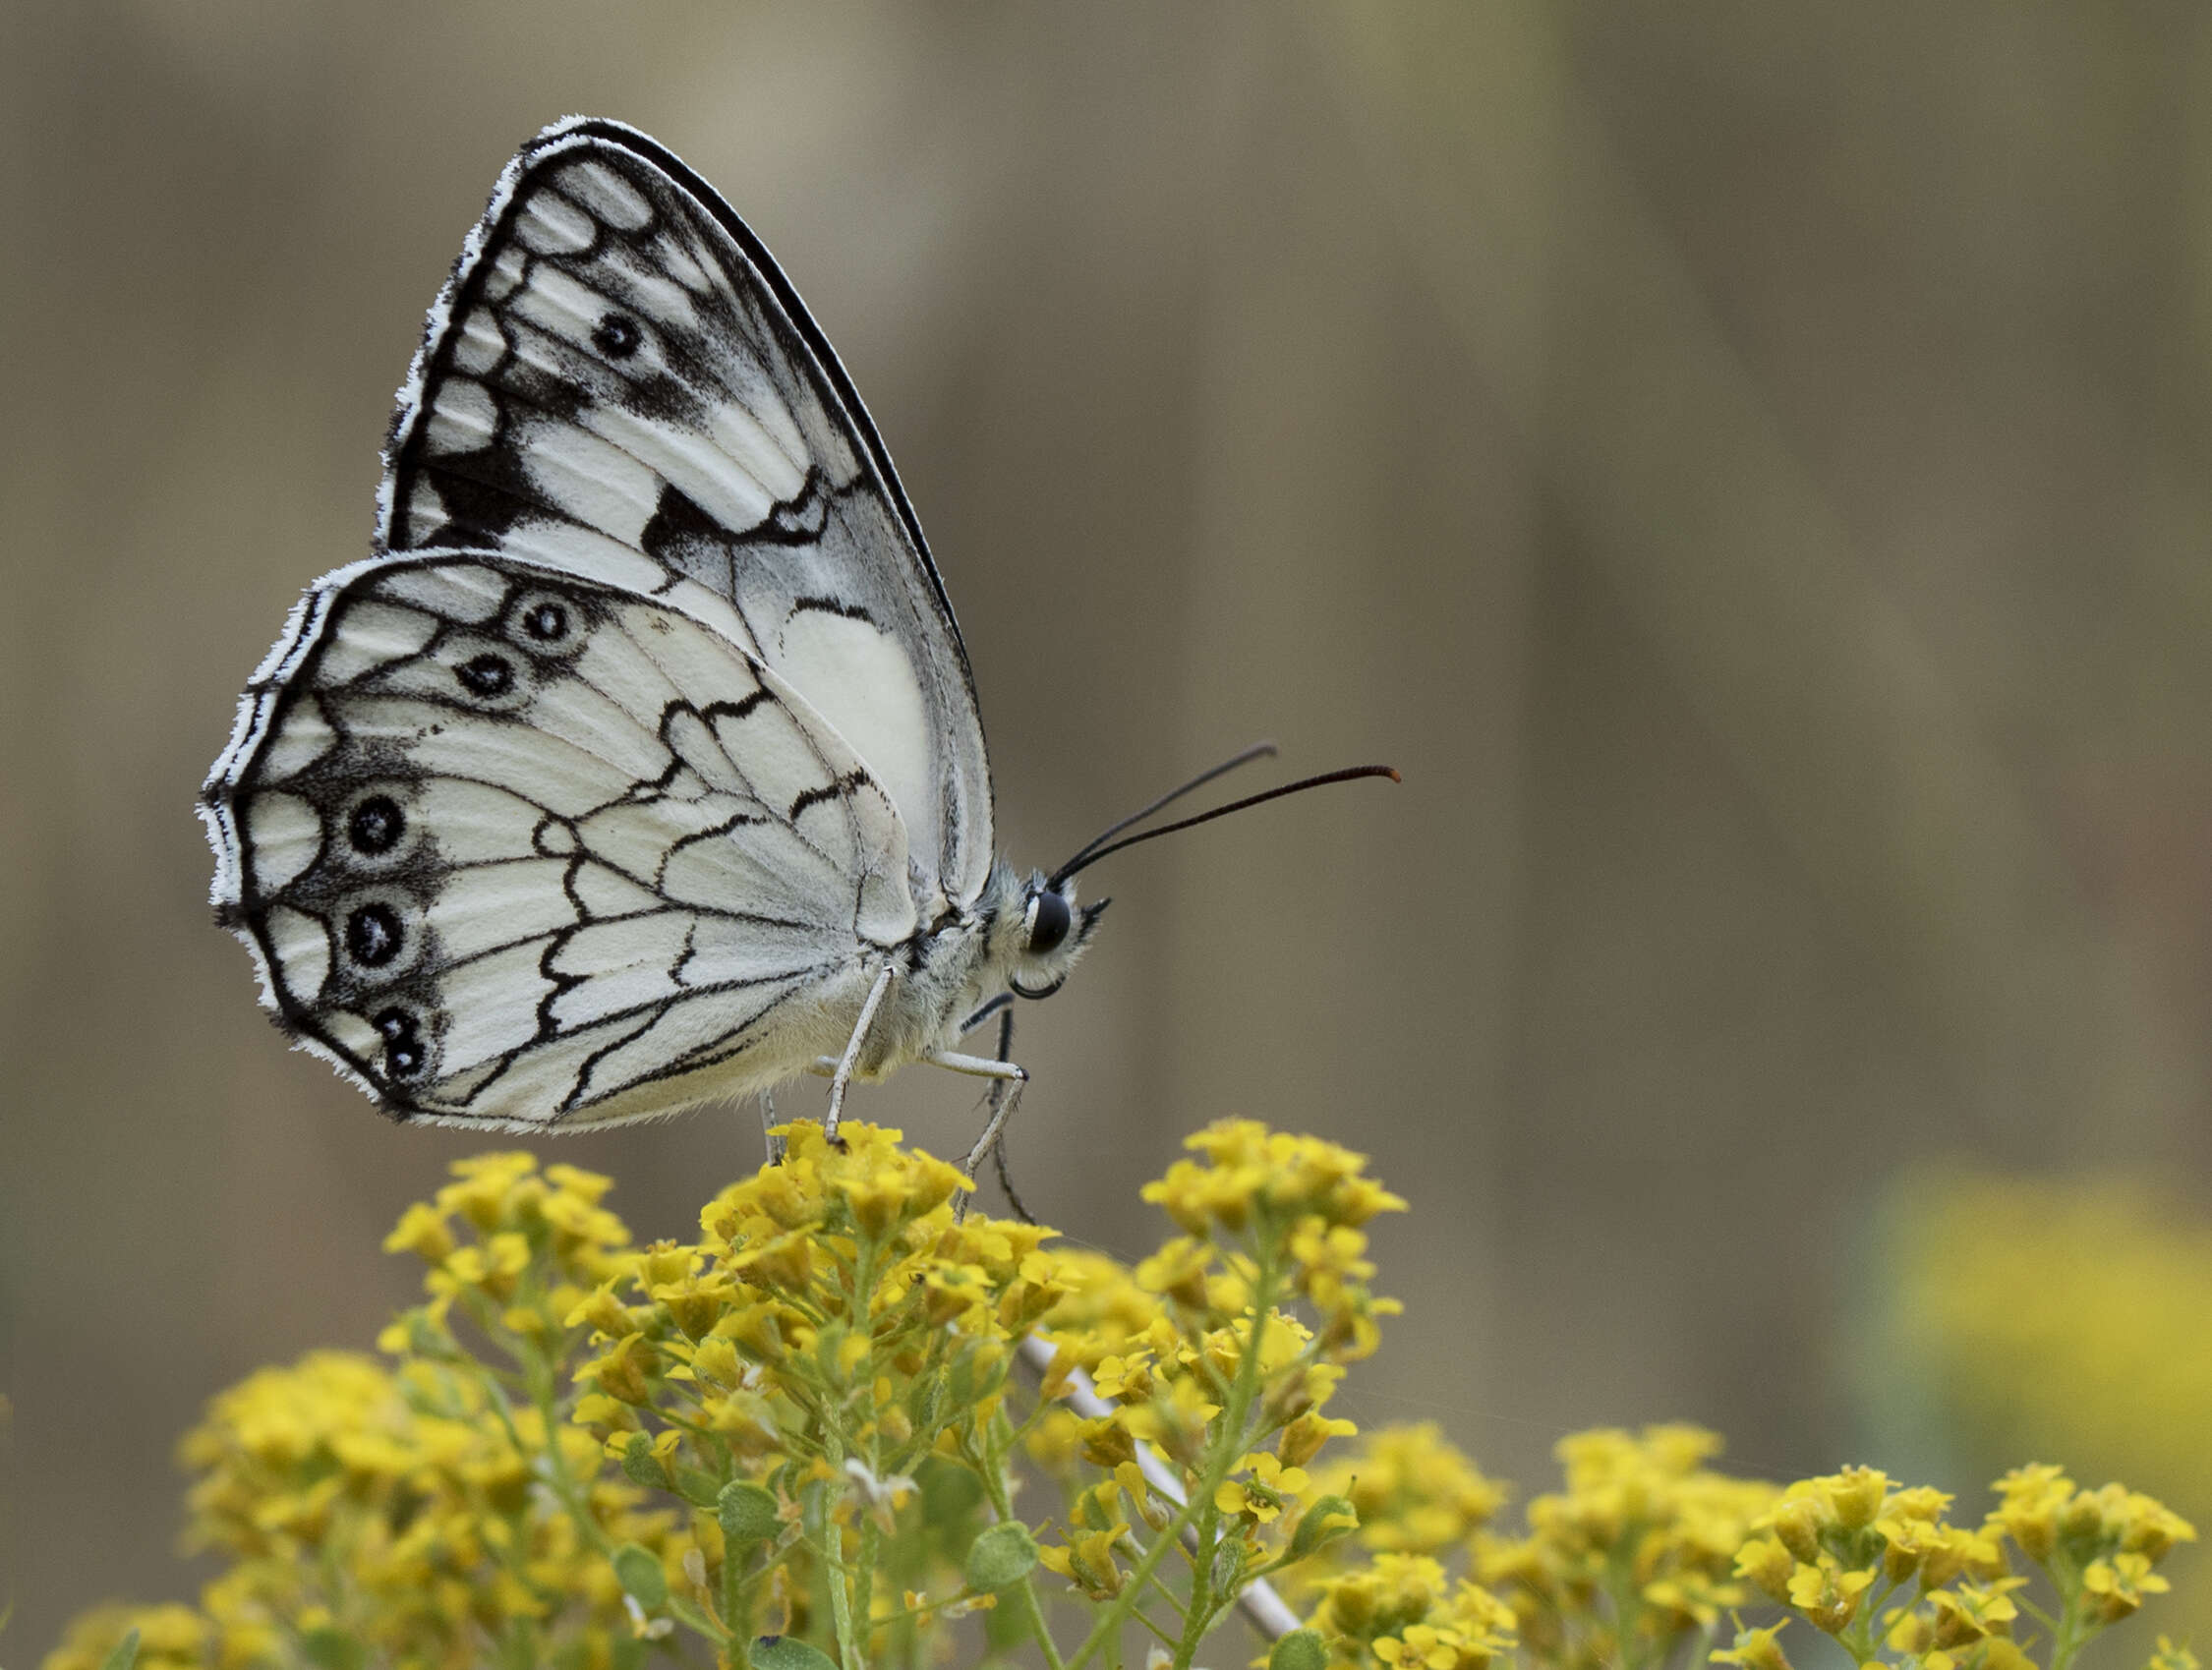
x: 1005, y: 1000
x: 768, y: 1128
x: 1006, y: 1093
x: 842, y: 1074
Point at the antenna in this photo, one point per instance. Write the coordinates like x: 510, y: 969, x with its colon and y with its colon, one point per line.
x: 1095, y: 852
x: 1257, y: 751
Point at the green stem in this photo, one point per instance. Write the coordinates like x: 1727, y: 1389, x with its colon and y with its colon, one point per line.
x: 737, y: 1606
x: 993, y: 1475
x: 1202, y: 1560
x: 1228, y: 1448
x: 1860, y: 1638
x: 831, y: 1540
x: 1620, y: 1586
x: 2071, y: 1635
x: 563, y: 1483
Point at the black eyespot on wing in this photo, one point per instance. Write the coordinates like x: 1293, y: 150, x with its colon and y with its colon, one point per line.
x: 373, y: 935
x: 486, y: 675
x: 375, y: 826
x: 545, y: 622
x: 404, y: 1053
x: 616, y: 336
x: 1049, y: 918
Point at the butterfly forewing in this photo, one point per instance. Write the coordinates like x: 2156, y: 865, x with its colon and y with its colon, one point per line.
x: 523, y: 849
x: 619, y: 384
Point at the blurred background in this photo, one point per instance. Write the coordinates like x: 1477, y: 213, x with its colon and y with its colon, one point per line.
x: 1746, y: 465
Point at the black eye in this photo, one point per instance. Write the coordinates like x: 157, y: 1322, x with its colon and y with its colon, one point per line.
x: 1049, y: 917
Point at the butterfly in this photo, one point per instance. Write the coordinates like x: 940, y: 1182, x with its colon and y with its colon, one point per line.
x: 640, y: 765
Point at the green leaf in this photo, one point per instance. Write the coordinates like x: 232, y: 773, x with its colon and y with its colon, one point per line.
x: 639, y: 1570
x: 698, y: 1487
x: 642, y: 1465
x: 788, y: 1652
x: 627, y: 1652
x: 695, y: 1617
x: 126, y: 1652
x: 1301, y: 1649
x: 747, y: 1512
x: 1328, y: 1519
x: 1004, y: 1554
x: 333, y: 1649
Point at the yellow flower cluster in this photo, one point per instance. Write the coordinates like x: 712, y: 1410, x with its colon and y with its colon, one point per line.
x: 802, y: 1425
x: 1413, y: 1492
x: 1835, y: 1550
x: 2024, y: 1345
x: 834, y: 1348
x: 1403, y: 1612
x: 795, y: 1442
x: 367, y: 1511
x: 1219, y: 1355
x: 1634, y: 1556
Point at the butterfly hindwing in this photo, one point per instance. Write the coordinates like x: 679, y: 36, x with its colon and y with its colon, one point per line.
x: 522, y: 849
x: 617, y: 383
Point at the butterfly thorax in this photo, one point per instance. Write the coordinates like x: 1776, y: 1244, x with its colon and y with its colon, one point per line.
x: 949, y: 970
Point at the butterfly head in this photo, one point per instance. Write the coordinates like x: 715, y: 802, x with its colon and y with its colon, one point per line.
x: 1051, y: 934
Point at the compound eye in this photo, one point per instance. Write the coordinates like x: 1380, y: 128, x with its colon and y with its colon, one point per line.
x: 1049, y: 918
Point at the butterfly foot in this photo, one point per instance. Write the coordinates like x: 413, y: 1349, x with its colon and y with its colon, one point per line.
x: 768, y: 1128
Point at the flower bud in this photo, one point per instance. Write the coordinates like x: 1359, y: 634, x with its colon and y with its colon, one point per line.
x: 1855, y: 1495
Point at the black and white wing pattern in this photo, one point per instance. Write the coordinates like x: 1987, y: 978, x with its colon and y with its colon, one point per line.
x: 519, y: 848
x: 617, y: 383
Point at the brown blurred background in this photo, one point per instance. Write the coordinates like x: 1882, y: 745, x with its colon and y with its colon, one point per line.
x: 1746, y: 464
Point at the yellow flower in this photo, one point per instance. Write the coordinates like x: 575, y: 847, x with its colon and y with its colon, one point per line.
x: 487, y: 1186
x: 422, y: 1230
x: 1271, y: 1488
x: 1854, y: 1496
x: 1088, y: 1562
x: 2115, y: 1587
x: 1174, y: 1418
x: 1250, y: 1168
x: 1302, y: 1440
x: 1769, y: 1565
x: 1178, y: 1270
x: 2031, y: 1498
x: 625, y: 1370
x: 1974, y: 1611
x: 1828, y: 1595
x: 1756, y: 1649
x: 1408, y: 1612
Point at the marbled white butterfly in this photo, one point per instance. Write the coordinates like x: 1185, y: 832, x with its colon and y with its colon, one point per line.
x: 640, y: 765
